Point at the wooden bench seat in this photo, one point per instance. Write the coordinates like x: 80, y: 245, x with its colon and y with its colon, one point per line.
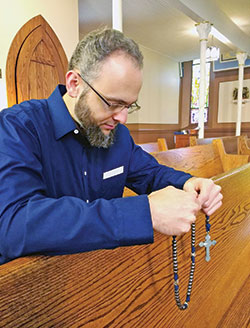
x: 133, y: 286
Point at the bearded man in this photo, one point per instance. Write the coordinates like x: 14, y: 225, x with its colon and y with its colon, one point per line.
x: 65, y: 160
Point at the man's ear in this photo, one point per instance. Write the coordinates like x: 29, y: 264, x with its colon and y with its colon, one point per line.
x: 72, y: 84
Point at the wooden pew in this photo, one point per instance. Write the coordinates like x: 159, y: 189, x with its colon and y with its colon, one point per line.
x: 201, y: 160
x: 205, y: 160
x: 133, y: 286
x: 150, y: 147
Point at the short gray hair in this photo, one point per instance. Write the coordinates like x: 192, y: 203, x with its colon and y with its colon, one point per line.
x: 96, y: 46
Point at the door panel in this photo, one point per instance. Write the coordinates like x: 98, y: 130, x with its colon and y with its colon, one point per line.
x: 36, y: 62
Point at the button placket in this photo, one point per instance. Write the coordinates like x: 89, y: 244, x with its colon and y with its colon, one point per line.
x: 84, y: 171
x: 85, y: 182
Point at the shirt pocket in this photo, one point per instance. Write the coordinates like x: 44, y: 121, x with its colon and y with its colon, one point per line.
x: 113, y: 183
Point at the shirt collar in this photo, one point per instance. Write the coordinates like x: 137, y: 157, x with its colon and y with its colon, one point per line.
x: 61, y: 119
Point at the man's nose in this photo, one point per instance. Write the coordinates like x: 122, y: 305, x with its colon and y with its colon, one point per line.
x: 121, y: 116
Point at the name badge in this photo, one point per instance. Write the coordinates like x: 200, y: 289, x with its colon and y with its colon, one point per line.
x: 114, y: 172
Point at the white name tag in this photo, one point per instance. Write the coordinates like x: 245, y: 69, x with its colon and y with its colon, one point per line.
x: 114, y: 172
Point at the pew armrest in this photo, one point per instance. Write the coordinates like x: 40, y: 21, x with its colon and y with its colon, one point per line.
x: 229, y: 161
x: 162, y: 144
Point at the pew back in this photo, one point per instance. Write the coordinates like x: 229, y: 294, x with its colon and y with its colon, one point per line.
x: 230, y: 143
x: 200, y: 160
x: 133, y: 286
x: 205, y: 160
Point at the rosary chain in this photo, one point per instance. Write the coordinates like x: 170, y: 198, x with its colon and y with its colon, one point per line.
x: 192, y: 269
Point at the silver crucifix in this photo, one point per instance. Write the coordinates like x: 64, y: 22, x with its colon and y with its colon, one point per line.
x: 207, y: 243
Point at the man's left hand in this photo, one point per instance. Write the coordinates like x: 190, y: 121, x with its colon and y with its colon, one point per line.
x: 208, y: 193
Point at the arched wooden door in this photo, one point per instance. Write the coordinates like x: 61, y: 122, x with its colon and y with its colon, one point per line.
x: 36, y: 62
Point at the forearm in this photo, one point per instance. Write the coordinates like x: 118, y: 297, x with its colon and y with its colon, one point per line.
x: 69, y: 225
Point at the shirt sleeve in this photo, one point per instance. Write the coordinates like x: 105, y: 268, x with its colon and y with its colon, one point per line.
x: 147, y: 175
x: 32, y: 223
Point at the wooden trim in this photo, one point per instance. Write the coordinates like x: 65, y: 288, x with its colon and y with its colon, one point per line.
x: 144, y: 133
x: 224, y: 129
x: 149, y: 126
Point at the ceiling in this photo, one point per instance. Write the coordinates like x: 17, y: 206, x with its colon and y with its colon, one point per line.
x: 168, y: 26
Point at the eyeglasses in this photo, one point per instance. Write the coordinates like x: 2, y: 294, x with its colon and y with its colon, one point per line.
x: 114, y: 108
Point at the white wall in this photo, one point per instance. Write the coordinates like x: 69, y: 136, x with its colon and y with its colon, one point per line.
x: 227, y: 109
x: 61, y: 15
x: 159, y: 96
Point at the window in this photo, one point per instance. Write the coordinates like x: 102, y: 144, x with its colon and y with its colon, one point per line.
x: 195, y: 100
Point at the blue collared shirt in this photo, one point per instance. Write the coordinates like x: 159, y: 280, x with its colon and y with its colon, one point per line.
x: 58, y: 195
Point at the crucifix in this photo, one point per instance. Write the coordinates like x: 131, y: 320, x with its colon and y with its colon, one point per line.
x: 207, y: 243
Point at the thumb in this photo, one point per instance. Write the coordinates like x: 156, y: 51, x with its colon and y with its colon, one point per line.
x: 189, y: 185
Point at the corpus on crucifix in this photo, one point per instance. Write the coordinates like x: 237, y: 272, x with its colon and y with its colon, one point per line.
x: 207, y: 244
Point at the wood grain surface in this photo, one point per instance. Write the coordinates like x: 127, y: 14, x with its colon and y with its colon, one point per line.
x: 36, y: 62
x: 200, y: 160
x: 133, y: 286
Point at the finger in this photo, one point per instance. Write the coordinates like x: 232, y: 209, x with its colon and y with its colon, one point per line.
x: 210, y: 210
x: 213, y: 201
x: 192, y: 206
x: 209, y: 196
x: 183, y: 229
x: 192, y: 196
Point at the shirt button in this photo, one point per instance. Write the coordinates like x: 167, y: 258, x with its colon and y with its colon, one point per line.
x: 87, y: 201
x: 85, y: 173
x: 76, y: 131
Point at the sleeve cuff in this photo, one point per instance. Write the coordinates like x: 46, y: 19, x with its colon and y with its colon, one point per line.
x: 136, y: 224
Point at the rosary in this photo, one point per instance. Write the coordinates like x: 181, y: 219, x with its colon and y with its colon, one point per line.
x: 207, y: 244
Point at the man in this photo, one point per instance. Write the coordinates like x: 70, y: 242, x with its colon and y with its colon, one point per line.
x: 64, y: 162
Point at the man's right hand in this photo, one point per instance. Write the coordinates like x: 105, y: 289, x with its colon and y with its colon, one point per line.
x: 173, y: 210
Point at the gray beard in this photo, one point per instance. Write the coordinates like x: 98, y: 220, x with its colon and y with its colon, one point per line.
x: 89, y: 126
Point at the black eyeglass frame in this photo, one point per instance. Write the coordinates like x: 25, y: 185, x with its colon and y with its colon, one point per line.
x: 131, y: 108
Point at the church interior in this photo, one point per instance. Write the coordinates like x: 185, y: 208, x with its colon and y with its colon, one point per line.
x: 195, y: 116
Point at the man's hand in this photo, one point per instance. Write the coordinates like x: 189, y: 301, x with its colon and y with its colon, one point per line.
x: 208, y: 193
x: 173, y: 210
